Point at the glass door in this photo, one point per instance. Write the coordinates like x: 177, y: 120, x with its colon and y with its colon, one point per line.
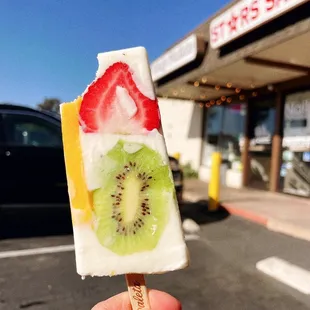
x: 262, y: 126
x: 212, y: 131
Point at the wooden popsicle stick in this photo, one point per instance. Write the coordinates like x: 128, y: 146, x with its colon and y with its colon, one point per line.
x: 138, y: 292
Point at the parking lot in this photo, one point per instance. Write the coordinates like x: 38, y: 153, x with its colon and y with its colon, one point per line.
x: 222, y: 274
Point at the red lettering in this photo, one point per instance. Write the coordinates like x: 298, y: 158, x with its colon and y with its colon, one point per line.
x: 254, y: 10
x: 217, y: 32
x: 233, y: 23
x: 214, y: 34
x: 221, y: 26
x: 244, y: 16
x: 270, y: 4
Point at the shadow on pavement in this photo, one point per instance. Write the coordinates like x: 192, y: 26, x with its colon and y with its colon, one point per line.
x: 50, y: 221
x: 37, y: 221
x: 199, y: 212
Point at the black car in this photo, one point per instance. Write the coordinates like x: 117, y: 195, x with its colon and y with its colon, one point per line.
x: 33, y: 187
x: 32, y: 171
x: 177, y: 177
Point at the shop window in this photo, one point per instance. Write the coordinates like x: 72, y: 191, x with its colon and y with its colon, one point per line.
x: 295, y: 169
x: 212, y: 129
x: 224, y: 129
x: 233, y: 132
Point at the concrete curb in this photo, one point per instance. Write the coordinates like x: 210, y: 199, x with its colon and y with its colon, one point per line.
x: 270, y: 223
x: 251, y: 216
x: 289, y: 229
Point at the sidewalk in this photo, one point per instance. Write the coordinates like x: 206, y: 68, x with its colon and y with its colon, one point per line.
x: 278, y: 212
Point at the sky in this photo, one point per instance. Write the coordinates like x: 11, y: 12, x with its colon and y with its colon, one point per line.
x: 49, y: 47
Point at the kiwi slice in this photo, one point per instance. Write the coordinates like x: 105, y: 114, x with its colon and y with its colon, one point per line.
x: 131, y: 206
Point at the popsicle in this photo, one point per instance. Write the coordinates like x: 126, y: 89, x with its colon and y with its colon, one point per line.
x: 124, y: 210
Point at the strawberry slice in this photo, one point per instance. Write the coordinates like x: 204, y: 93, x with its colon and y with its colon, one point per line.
x: 99, y: 110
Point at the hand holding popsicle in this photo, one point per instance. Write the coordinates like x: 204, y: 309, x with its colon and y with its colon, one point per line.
x: 158, y: 301
x: 123, y: 204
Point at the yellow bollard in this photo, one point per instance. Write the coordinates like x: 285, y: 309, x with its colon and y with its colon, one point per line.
x: 214, y: 184
x: 177, y: 156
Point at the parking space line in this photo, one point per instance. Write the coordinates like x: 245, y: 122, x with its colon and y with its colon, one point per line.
x: 287, y: 273
x: 189, y: 237
x: 37, y: 251
x: 59, y: 249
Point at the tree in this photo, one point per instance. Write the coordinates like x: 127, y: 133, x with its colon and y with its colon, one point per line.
x: 50, y: 104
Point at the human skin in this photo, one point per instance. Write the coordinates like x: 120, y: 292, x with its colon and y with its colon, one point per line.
x: 158, y: 301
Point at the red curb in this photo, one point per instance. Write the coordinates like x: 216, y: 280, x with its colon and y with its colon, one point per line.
x: 251, y: 216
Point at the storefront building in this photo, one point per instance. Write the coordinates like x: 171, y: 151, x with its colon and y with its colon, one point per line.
x: 247, y: 71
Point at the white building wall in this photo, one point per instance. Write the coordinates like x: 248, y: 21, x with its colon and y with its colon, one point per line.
x: 182, y: 126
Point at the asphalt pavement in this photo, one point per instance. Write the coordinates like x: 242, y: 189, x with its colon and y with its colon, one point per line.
x: 222, y: 274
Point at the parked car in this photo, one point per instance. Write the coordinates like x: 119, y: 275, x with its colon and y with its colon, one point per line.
x: 32, y: 170
x: 178, y: 178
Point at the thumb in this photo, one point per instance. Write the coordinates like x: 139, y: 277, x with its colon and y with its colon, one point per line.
x: 158, y: 301
x: 117, y: 302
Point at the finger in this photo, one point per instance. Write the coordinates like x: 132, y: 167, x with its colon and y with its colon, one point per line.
x: 163, y: 301
x: 158, y: 300
x: 117, y: 302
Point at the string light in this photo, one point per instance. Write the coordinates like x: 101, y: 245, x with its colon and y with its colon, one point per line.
x: 204, y: 80
x: 229, y: 85
x: 203, y: 96
x: 201, y: 105
x: 241, y: 97
x: 175, y: 93
x: 208, y: 105
x: 223, y: 98
x: 229, y: 100
x: 212, y: 102
x: 196, y: 84
x: 252, y: 85
x: 254, y: 94
x: 217, y: 87
x: 238, y: 90
x: 218, y: 102
x: 182, y: 90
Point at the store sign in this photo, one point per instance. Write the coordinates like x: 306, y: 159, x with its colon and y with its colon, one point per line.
x: 182, y: 54
x: 245, y: 16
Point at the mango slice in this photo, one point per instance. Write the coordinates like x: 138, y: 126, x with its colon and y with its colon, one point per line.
x: 80, y: 197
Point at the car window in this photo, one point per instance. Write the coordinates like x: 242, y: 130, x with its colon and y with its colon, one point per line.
x: 31, y: 130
